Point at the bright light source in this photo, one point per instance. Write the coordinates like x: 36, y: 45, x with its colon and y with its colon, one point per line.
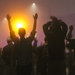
x: 19, y: 25
x: 33, y: 4
x: 34, y: 8
x: 20, y: 21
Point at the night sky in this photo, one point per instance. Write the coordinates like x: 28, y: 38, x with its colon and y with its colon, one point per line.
x: 45, y: 8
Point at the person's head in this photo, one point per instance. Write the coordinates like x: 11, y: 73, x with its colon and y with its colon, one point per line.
x: 21, y: 32
x: 9, y: 41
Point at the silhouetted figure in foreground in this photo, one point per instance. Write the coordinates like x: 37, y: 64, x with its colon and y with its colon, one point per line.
x: 55, y: 32
x: 23, y: 48
x: 34, y: 56
x: 7, y: 56
x: 70, y: 42
x: 2, y: 64
x: 42, y: 63
x: 7, y: 52
x: 69, y: 47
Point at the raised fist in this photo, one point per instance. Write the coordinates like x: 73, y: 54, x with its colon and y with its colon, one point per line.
x: 35, y: 16
x: 8, y: 17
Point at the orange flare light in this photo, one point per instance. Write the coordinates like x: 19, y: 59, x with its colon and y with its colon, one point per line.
x: 21, y: 21
x: 19, y: 25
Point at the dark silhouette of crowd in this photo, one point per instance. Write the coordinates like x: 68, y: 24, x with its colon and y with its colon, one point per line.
x: 21, y: 57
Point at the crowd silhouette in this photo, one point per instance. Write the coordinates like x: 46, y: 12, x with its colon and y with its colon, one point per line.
x: 21, y: 57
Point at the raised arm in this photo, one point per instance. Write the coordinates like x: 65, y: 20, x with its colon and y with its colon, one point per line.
x: 46, y: 28
x: 69, y: 34
x: 35, y: 21
x: 12, y: 33
x: 9, y: 22
x: 64, y: 28
x: 34, y: 26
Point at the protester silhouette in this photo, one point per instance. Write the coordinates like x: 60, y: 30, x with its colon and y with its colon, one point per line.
x: 42, y: 53
x: 69, y: 34
x: 7, y: 52
x: 23, y: 48
x: 70, y: 44
x: 34, y: 56
x: 70, y: 41
x: 55, y: 32
x: 2, y: 64
x: 7, y: 56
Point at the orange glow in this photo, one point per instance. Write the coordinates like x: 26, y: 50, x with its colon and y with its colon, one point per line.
x: 18, y: 22
x: 22, y: 20
x: 19, y: 25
